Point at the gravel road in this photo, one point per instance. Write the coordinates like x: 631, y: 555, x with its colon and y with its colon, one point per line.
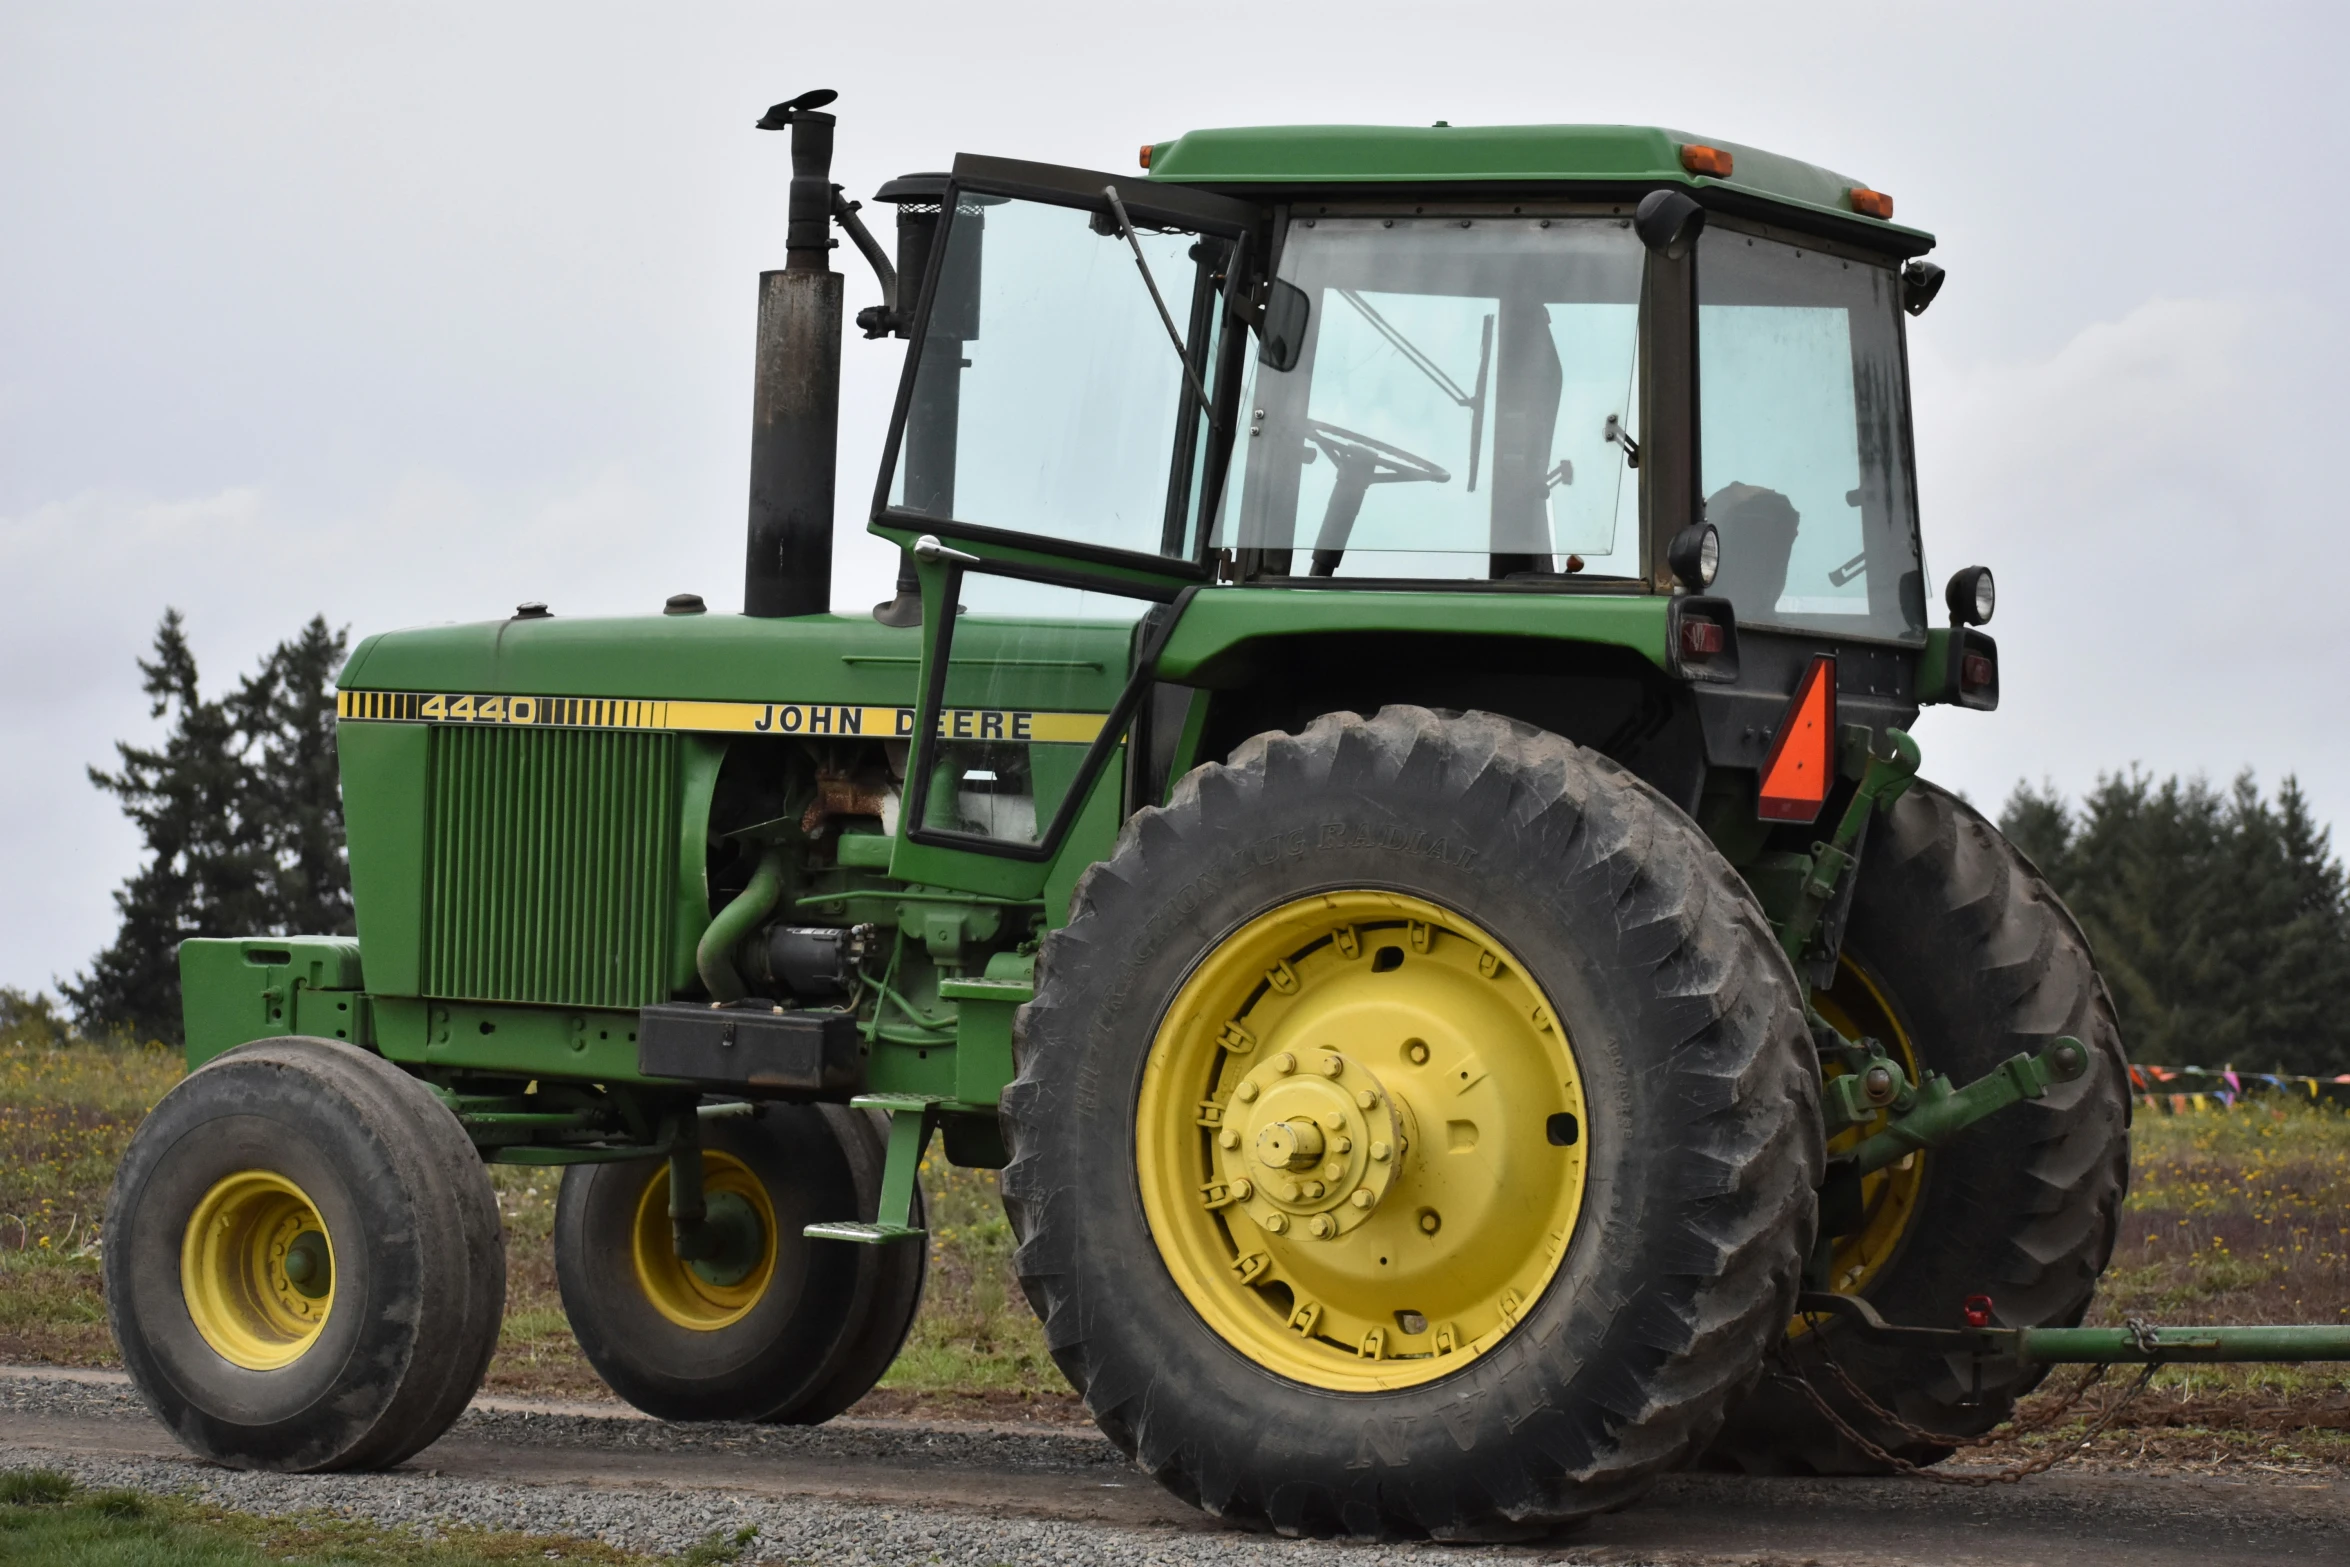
x: 860, y: 1492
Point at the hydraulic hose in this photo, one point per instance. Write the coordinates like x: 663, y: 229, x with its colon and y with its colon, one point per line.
x: 714, y: 953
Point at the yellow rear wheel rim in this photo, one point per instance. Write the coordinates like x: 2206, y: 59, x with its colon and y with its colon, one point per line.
x: 1857, y: 1007
x: 1361, y: 1141
x: 257, y: 1270
x: 704, y: 1298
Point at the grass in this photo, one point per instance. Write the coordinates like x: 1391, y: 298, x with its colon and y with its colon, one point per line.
x: 45, y: 1517
x: 2235, y: 1217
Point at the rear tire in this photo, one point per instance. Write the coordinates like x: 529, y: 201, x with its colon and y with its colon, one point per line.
x: 1678, y: 1029
x: 1978, y: 960
x: 683, y: 1346
x: 304, y: 1265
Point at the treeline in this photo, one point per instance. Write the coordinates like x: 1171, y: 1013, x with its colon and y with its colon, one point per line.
x: 241, y: 812
x: 2220, y: 918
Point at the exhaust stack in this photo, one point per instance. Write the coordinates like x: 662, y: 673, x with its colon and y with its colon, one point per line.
x: 795, y: 399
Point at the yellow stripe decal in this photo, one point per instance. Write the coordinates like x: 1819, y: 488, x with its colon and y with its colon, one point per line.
x: 818, y: 719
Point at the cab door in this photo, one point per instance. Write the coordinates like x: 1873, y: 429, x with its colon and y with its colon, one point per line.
x: 1065, y: 420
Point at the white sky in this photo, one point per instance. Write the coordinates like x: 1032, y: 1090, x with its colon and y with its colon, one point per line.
x: 405, y: 314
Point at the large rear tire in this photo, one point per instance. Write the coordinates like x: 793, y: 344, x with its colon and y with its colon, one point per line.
x: 1553, y: 1065
x: 1958, y: 955
x: 739, y: 1337
x: 304, y: 1265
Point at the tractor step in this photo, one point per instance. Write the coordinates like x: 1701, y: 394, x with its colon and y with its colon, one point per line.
x: 911, y: 1120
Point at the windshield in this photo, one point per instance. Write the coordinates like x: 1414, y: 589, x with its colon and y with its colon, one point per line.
x: 1048, y: 399
x: 1804, y: 409
x: 1452, y: 410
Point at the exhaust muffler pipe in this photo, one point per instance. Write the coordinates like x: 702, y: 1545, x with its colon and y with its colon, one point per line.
x: 795, y: 398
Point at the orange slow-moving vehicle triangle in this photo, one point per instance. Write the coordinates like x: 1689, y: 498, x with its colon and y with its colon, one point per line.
x: 1802, y: 762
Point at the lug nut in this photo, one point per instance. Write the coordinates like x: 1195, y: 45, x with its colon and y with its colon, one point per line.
x: 1245, y: 1093
x: 1322, y: 1225
x: 1243, y: 1189
x: 1333, y: 1170
x: 1332, y: 1066
x: 1417, y: 1053
x: 1312, y: 1189
x: 1284, y: 1063
x: 1342, y: 1144
x: 1381, y: 1152
x: 1275, y: 1223
x: 1228, y: 1138
x: 1289, y: 1191
x: 1366, y: 1099
x: 1363, y: 1198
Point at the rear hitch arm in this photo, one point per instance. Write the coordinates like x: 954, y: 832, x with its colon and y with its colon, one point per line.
x: 1941, y: 1112
x: 2137, y: 1343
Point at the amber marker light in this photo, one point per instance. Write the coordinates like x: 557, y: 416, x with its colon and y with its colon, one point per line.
x: 1146, y: 154
x: 1872, y: 203
x: 1698, y: 159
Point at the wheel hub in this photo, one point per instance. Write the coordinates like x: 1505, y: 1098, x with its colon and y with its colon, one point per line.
x: 1326, y: 1139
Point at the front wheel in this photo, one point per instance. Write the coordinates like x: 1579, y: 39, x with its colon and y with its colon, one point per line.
x: 1414, y: 1133
x: 304, y: 1267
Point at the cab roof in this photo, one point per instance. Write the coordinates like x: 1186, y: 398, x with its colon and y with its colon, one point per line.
x: 1322, y: 156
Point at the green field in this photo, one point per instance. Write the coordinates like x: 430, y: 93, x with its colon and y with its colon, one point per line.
x: 2238, y: 1217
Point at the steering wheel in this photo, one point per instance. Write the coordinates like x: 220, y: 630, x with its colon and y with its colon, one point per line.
x: 1388, y: 464
x: 1361, y: 462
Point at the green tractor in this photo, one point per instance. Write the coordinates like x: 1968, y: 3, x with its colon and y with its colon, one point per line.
x: 1381, y: 804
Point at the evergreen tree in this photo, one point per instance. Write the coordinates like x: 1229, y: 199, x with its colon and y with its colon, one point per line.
x: 2221, y: 922
x: 241, y: 817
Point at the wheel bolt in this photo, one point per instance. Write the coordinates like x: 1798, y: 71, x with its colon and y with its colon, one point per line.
x: 1332, y: 1066
x: 1312, y: 1188
x: 1245, y: 1093
x: 1323, y: 1225
x: 1366, y: 1099
x: 1417, y: 1053
x: 1275, y: 1223
x: 1381, y: 1152
x: 1243, y: 1189
x: 1363, y: 1197
x: 1333, y: 1170
x: 1341, y: 1144
x: 1228, y: 1138
x: 1284, y: 1063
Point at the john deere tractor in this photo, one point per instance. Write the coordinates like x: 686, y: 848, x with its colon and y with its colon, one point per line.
x: 1382, y: 803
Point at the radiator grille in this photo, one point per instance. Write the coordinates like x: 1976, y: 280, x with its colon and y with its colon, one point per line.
x: 553, y: 866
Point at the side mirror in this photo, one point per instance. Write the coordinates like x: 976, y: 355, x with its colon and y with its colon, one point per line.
x: 1971, y: 596
x: 1668, y: 221
x: 1920, y: 282
x: 1283, y: 334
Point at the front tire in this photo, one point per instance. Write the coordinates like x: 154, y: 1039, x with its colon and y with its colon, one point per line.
x: 1533, y: 983
x: 739, y: 1337
x: 304, y: 1265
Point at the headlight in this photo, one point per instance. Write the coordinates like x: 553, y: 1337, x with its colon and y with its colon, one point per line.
x: 1971, y: 596
x: 1696, y: 555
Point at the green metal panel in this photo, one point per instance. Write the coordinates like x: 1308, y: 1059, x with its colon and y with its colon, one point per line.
x: 242, y: 988
x: 1503, y: 154
x: 1226, y: 618
x: 551, y: 873
x: 383, y: 772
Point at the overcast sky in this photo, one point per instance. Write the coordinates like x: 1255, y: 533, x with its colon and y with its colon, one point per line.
x: 406, y: 313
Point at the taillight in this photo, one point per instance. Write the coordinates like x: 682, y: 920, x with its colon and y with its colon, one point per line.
x: 1700, y: 639
x: 1974, y: 672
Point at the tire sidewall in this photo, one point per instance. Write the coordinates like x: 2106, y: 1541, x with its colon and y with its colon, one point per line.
x: 251, y: 1113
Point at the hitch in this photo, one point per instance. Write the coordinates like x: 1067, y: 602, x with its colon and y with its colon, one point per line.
x: 2138, y: 1343
x: 1941, y: 1112
x: 1885, y: 779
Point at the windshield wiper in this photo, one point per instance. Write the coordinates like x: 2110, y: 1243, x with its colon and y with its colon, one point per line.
x: 1126, y: 228
x: 1472, y: 401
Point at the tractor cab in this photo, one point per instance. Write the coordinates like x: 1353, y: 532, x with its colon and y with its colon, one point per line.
x: 1605, y: 388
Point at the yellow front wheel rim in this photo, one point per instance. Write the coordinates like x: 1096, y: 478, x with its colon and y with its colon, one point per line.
x: 718, y: 1292
x: 1361, y: 1141
x: 257, y: 1270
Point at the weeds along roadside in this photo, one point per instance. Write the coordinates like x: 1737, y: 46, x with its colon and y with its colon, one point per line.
x: 2241, y: 1216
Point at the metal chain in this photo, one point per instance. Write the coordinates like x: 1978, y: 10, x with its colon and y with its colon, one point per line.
x: 1794, y: 1377
x: 2013, y: 1432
